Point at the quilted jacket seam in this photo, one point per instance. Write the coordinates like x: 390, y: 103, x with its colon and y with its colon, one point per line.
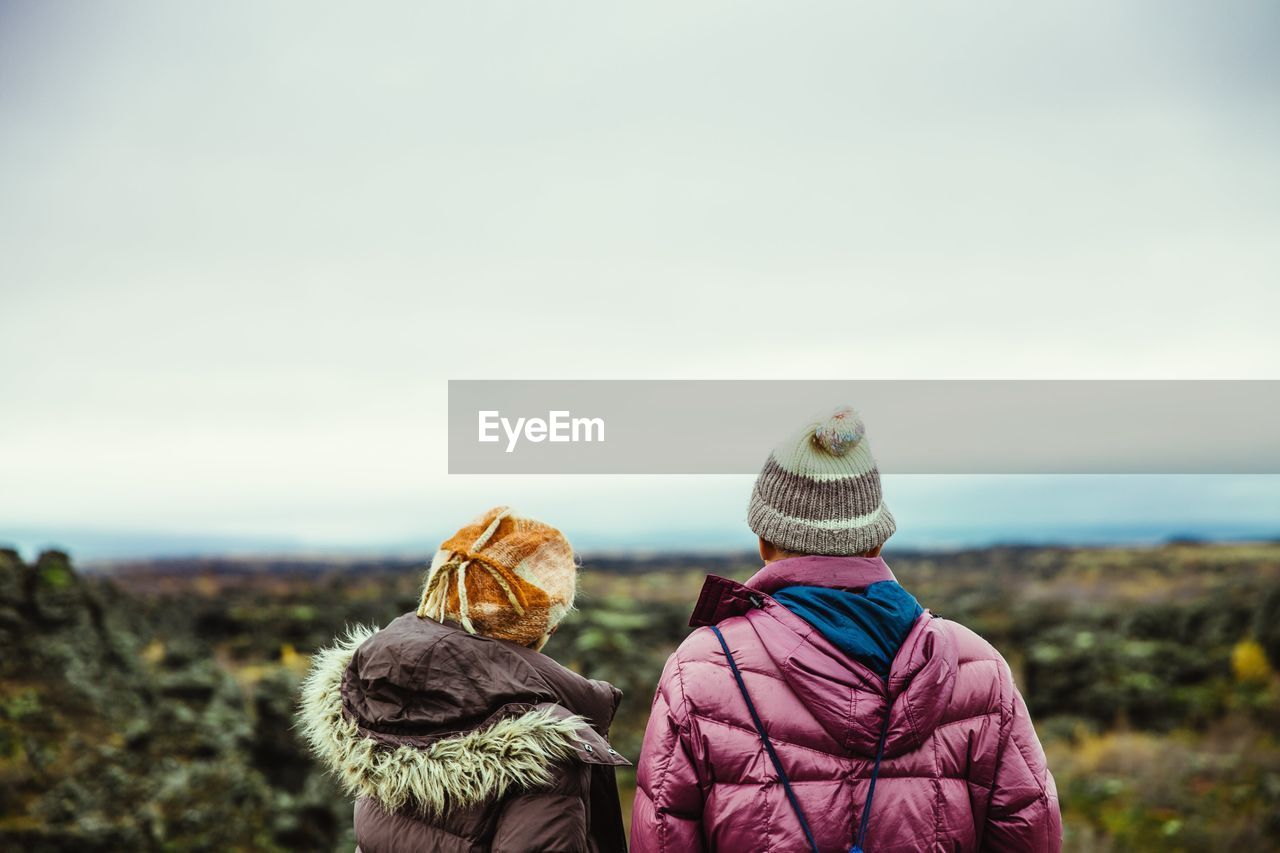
x: 1044, y: 803
x: 853, y: 715
x: 937, y: 793
x: 1006, y: 732
x: 674, y: 714
x: 946, y: 777
x: 971, y: 661
x: 742, y: 669
x: 911, y: 720
x: 683, y: 709
x: 1042, y: 790
x: 763, y: 791
x: 776, y: 740
x: 694, y: 715
x: 855, y: 758
x: 977, y: 716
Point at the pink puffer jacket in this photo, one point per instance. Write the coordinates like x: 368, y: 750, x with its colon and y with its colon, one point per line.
x: 962, y: 769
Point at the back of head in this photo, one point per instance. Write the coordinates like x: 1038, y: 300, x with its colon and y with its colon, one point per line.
x: 503, y: 576
x: 819, y: 492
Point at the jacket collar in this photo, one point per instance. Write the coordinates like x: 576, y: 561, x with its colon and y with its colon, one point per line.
x: 722, y: 597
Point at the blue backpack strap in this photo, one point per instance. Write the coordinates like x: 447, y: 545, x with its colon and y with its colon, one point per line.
x: 768, y: 745
x: 871, y: 791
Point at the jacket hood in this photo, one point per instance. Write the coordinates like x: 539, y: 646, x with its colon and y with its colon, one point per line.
x: 424, y: 715
x: 848, y: 699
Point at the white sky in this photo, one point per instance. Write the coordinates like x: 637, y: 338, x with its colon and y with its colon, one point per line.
x: 243, y: 245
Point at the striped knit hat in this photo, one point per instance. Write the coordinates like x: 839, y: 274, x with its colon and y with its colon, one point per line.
x: 819, y: 493
x: 502, y: 576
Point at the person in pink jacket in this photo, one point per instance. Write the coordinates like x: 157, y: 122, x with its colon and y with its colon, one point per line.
x: 820, y: 708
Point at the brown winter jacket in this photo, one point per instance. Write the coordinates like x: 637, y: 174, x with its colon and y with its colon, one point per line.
x: 455, y: 742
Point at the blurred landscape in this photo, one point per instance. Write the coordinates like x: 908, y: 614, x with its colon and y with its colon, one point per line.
x: 149, y: 705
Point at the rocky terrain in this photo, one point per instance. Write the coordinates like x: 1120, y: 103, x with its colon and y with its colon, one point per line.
x: 117, y: 734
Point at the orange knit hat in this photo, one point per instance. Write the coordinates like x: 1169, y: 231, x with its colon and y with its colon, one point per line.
x: 502, y: 576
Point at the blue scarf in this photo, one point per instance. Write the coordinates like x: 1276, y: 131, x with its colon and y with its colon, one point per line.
x: 868, y: 626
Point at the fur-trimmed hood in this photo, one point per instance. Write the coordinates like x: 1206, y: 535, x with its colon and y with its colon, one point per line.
x: 422, y: 715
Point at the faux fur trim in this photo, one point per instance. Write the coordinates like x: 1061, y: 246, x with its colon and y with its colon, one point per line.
x: 456, y: 772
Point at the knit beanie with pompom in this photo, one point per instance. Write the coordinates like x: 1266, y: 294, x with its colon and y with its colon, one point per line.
x: 819, y: 493
x: 502, y: 576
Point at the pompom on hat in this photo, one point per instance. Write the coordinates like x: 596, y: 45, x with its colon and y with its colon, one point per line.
x: 819, y: 492
x: 502, y: 576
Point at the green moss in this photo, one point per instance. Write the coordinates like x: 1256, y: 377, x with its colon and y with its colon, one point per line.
x: 55, y: 574
x: 20, y: 705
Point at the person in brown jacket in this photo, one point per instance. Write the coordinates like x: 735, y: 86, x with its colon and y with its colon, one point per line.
x: 451, y: 729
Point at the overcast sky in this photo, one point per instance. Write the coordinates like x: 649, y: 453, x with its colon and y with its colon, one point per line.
x: 244, y: 245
